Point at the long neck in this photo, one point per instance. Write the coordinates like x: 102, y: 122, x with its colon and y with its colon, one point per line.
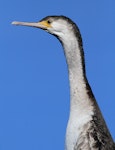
x: 79, y: 98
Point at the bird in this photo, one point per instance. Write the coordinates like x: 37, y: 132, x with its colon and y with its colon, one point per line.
x: 86, y: 128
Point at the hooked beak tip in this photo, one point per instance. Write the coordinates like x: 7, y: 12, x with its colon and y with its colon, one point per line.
x: 14, y: 23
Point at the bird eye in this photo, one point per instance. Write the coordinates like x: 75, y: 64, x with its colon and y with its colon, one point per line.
x: 48, y: 21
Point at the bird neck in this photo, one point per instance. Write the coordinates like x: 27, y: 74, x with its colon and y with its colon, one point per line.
x: 79, y: 99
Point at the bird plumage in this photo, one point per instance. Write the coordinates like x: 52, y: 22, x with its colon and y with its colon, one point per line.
x: 86, y: 128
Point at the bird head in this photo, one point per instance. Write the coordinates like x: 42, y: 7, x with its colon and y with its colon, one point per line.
x: 56, y: 25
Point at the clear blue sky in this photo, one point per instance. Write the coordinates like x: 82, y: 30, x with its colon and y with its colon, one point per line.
x: 34, y: 88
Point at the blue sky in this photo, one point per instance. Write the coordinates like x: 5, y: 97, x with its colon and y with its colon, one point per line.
x: 34, y: 87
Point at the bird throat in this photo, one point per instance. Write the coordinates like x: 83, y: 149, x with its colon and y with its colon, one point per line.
x: 76, y: 70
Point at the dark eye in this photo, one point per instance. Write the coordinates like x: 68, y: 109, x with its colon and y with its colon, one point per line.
x: 48, y: 21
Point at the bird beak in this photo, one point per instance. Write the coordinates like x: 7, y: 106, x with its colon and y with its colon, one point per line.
x: 42, y: 24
